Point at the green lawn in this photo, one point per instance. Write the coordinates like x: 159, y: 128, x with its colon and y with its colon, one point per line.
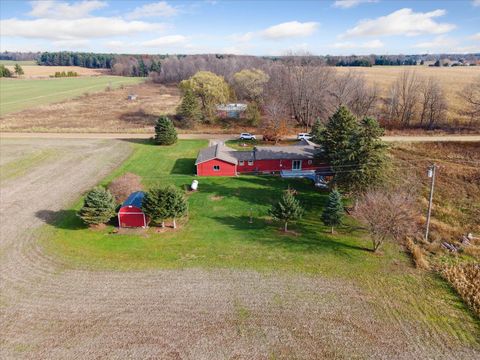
x: 217, y: 234
x: 20, y: 94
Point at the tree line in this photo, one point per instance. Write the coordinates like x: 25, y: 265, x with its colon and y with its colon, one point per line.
x: 298, y: 91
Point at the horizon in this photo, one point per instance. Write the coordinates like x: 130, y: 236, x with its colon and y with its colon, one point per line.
x: 321, y: 28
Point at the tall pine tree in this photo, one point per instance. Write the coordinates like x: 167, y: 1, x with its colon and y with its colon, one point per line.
x: 288, y: 209
x: 354, y: 150
x: 333, y: 212
x: 188, y: 109
x: 165, y: 133
x: 154, y: 205
x: 98, y: 207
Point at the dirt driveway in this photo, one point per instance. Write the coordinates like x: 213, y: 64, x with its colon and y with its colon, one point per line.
x: 52, y: 311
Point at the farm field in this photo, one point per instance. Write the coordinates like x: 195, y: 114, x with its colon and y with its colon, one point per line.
x: 12, y: 63
x: 20, y: 94
x: 240, y: 290
x: 105, y: 111
x: 452, y: 79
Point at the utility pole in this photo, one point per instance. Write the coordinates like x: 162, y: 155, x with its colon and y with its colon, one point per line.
x: 431, y: 174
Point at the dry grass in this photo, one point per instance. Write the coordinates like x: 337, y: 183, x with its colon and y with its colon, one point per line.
x: 36, y: 71
x: 465, y: 278
x: 108, y: 111
x: 417, y: 254
x: 452, y: 79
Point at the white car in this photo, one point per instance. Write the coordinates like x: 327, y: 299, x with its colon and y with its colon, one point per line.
x: 304, y: 136
x: 247, y: 136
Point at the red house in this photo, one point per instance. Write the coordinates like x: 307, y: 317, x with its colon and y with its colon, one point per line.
x: 220, y: 160
x: 131, y: 214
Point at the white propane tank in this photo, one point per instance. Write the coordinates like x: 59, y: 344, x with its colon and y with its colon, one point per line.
x: 194, y: 185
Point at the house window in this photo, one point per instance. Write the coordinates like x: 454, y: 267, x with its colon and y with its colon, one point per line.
x: 309, y: 162
x: 250, y: 162
x: 241, y: 163
x: 216, y: 167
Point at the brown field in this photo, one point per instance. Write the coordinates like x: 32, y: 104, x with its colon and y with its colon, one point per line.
x: 107, y: 111
x: 453, y: 79
x: 36, y: 71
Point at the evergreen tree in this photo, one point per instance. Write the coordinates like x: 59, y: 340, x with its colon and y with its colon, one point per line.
x: 154, y: 205
x: 175, y: 204
x: 98, y: 207
x: 165, y: 133
x: 4, y: 71
x: 188, y: 108
x: 18, y: 70
x: 287, y: 209
x: 316, y: 131
x: 333, y: 212
x: 355, y: 151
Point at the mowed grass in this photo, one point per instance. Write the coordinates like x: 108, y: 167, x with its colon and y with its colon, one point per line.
x: 218, y: 234
x: 20, y: 94
x: 22, y: 63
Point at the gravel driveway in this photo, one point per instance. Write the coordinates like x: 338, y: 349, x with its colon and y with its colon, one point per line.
x: 51, y: 311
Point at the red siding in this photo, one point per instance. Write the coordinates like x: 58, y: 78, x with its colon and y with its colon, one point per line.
x: 131, y: 216
x: 276, y: 165
x: 226, y: 169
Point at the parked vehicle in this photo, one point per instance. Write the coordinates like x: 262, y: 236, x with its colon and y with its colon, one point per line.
x: 304, y: 136
x: 247, y: 136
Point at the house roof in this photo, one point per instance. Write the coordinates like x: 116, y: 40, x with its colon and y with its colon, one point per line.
x: 134, y: 199
x: 304, y: 149
x: 218, y: 151
x: 232, y: 107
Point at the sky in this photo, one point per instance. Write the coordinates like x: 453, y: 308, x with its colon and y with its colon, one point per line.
x: 341, y: 27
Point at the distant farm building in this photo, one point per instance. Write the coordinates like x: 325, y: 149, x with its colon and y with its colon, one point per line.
x: 233, y: 111
x: 289, y: 161
x: 131, y: 214
x: 132, y: 97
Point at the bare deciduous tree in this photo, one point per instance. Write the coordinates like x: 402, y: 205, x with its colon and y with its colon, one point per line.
x: 433, y: 103
x: 401, y: 106
x: 471, y: 96
x: 308, y: 83
x: 274, y: 123
x: 388, y: 215
x: 122, y: 187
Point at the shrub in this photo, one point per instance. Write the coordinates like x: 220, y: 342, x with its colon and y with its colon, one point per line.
x: 98, y: 207
x: 333, y: 211
x: 465, y: 278
x: 165, y: 133
x: 123, y: 186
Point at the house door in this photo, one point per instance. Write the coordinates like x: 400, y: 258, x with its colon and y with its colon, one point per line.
x: 297, y: 165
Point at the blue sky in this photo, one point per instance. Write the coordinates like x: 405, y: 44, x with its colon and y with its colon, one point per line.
x: 340, y: 27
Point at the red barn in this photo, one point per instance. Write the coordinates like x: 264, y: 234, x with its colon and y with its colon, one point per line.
x: 131, y: 214
x: 220, y: 160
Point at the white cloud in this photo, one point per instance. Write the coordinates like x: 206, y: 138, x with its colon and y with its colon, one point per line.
x: 71, y: 44
x: 290, y: 29
x: 242, y: 37
x: 475, y: 36
x: 401, y: 22
x: 61, y: 10
x: 476, y: 2
x: 447, y: 45
x: 90, y: 27
x: 373, y: 44
x: 347, y: 4
x: 440, y: 42
x: 168, y: 40
x: 158, y: 9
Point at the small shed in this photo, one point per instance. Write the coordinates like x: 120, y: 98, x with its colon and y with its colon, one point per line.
x: 132, y: 97
x: 131, y: 214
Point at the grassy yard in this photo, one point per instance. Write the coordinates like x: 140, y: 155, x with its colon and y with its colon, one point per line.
x: 21, y: 63
x: 20, y: 94
x: 217, y: 234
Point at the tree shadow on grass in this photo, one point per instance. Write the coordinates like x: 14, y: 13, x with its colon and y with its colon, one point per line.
x: 300, y: 238
x: 62, y: 219
x: 183, y: 166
